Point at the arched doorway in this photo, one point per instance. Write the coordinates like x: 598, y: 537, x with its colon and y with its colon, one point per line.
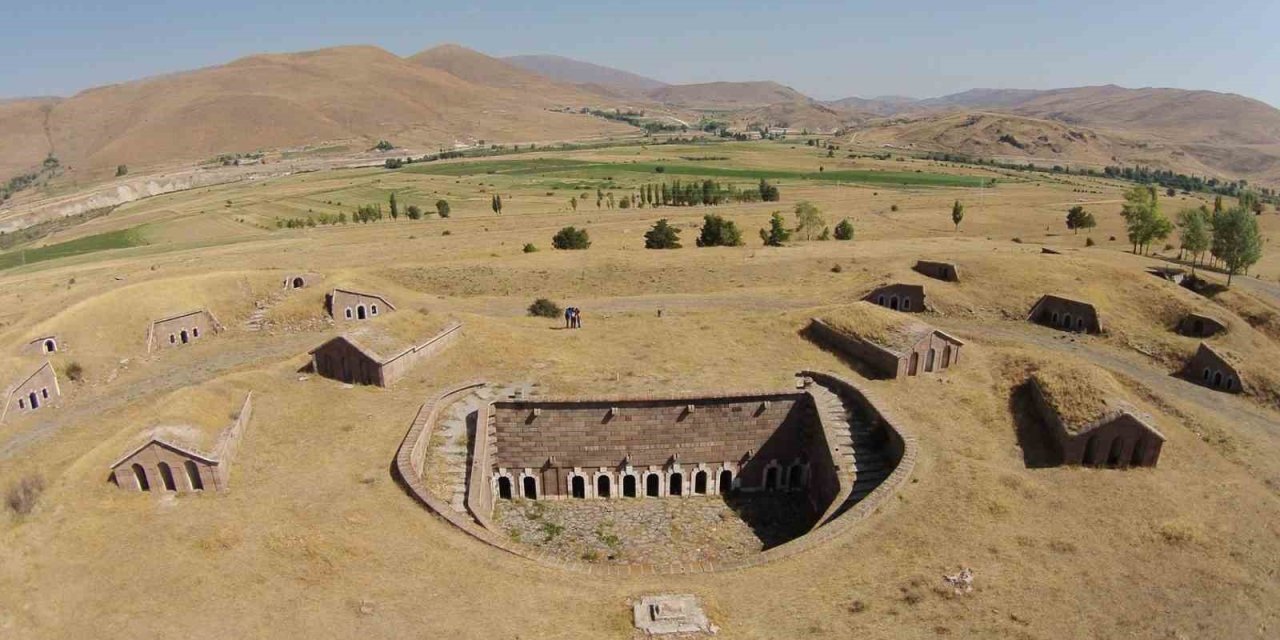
x: 913, y: 364
x: 578, y: 487
x: 1217, y: 379
x: 603, y: 488
x: 504, y: 488
x: 771, y: 479
x: 140, y: 475
x: 186, y: 339
x: 700, y: 483
x: 530, y: 488
x: 33, y: 400
x: 166, y: 477
x: 725, y: 481
x: 928, y: 360
x: 360, y: 312
x: 676, y: 481
x: 49, y: 346
x: 1139, y: 453
x: 1117, y: 449
x: 297, y: 284
x: 1090, y: 451
x: 1066, y: 321
x: 629, y: 486
x: 652, y: 486
x: 946, y: 356
x: 795, y: 476
x: 193, y: 476
x: 893, y: 303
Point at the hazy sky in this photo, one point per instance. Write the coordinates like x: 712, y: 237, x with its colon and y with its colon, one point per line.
x: 826, y: 49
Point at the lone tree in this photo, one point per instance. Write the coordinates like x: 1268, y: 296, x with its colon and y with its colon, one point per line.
x: 718, y: 232
x: 809, y: 220
x: 413, y: 212
x: 777, y: 232
x: 844, y: 230
x: 1078, y: 218
x: 957, y: 214
x: 395, y: 208
x: 571, y: 238
x: 768, y: 192
x: 122, y: 170
x: 1194, y: 234
x: 442, y: 208
x: 1236, y: 240
x: 662, y: 236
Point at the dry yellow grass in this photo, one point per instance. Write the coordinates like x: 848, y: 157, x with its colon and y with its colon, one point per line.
x: 316, y: 539
x: 1078, y: 393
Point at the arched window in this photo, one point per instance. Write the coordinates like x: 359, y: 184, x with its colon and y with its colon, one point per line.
x: 195, y: 332
x: 795, y: 476
x: 1066, y: 321
x: 629, y: 485
x: 578, y: 486
x: 1055, y: 317
x: 700, y: 483
x: 348, y: 313
x: 604, y: 488
x: 193, y: 476
x: 928, y: 360
x: 166, y: 477
x: 726, y: 481
x: 880, y: 300
x: 184, y: 336
x: 360, y: 312
x: 893, y: 302
x: 1206, y: 374
x: 22, y: 403
x: 652, y: 485
x: 504, y: 483
x: 530, y: 487
x: 1080, y: 324
x: 44, y: 393
x: 173, y: 339
x: 1217, y: 378
x: 906, y: 304
x: 373, y: 309
x: 676, y: 481
x: 140, y: 476
x: 771, y: 479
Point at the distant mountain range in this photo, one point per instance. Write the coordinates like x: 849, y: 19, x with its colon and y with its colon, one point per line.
x: 358, y: 95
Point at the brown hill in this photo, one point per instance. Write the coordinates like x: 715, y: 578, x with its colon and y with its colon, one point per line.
x: 483, y: 70
x: 22, y: 129
x: 272, y: 101
x: 727, y: 95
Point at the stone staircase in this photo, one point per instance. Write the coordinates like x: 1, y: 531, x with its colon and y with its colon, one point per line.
x: 861, y: 457
x: 258, y: 319
x: 450, y: 459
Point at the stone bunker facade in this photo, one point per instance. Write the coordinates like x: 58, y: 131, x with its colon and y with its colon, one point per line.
x: 300, y: 280
x: 1199, y: 325
x: 182, y: 458
x: 1115, y: 438
x: 898, y: 297
x: 1065, y: 314
x: 920, y: 349
x: 355, y: 360
x: 945, y: 271
x: 183, y: 329
x: 660, y: 447
x: 42, y: 346
x: 38, y: 390
x: 1214, y: 369
x: 345, y: 305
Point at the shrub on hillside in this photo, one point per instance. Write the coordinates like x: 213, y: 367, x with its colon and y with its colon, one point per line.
x: 544, y: 308
x: 414, y: 212
x: 844, y: 230
x: 74, y: 371
x: 529, y: 248
x: 23, y: 495
x: 1088, y: 242
x: 662, y: 236
x: 718, y: 232
x: 442, y: 208
x: 571, y: 238
x: 777, y: 232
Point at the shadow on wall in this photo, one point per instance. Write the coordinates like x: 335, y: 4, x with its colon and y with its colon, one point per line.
x: 809, y: 334
x: 775, y: 518
x: 1038, y: 451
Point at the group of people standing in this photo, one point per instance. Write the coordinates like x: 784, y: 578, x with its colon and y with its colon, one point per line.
x: 573, y: 318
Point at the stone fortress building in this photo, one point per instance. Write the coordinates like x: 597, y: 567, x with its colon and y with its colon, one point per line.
x: 888, y: 344
x: 1200, y: 325
x: 381, y: 353
x: 183, y: 458
x: 1215, y: 369
x: 898, y: 297
x: 37, y: 390
x: 1065, y: 314
x: 182, y: 329
x: 42, y: 346
x: 345, y: 305
x: 1089, y: 420
x: 944, y: 271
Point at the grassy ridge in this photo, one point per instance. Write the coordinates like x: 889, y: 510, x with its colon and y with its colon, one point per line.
x: 121, y: 239
x: 587, y: 169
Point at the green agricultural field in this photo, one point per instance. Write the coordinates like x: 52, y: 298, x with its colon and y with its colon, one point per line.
x: 121, y: 239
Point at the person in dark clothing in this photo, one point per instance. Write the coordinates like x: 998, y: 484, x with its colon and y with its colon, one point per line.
x: 568, y: 317
x: 577, y: 318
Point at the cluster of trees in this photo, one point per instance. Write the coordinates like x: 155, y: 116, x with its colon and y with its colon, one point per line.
x: 635, y: 119
x: 1078, y: 218
x: 719, y: 232
x: 1230, y: 236
x: 495, y: 203
x: 705, y: 193
x: 235, y: 159
x: 571, y: 238
x: 17, y: 183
